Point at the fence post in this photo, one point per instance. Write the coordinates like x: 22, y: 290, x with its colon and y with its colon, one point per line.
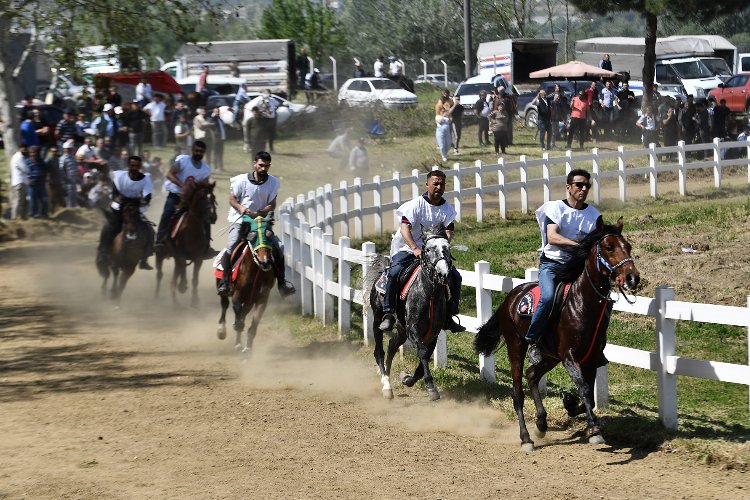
x: 457, y: 201
x: 440, y: 355
x: 652, y: 176
x: 621, y: 179
x: 568, y: 161
x: 377, y: 202
x: 601, y: 387
x: 665, y: 347
x: 320, y: 209
x: 306, y: 289
x: 345, y: 278
x: 358, y: 208
x: 484, y: 312
x: 415, y: 187
x: 300, y: 214
x: 524, y: 186
x: 396, y: 199
x: 326, y: 276
x: 479, y: 197
x: 311, y: 210
x: 547, y: 194
x: 328, y: 207
x: 681, y: 168
x: 502, y: 199
x: 595, y: 176
x: 344, y: 205
x: 368, y: 255
x: 317, y: 235
x: 717, y: 163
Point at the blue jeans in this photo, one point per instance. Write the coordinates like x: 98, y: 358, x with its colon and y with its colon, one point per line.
x: 39, y: 200
x: 545, y: 133
x: 170, y: 207
x: 401, y: 259
x: 548, y: 271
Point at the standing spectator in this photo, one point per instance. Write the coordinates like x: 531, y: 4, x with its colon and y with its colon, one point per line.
x: 218, y: 136
x: 19, y: 183
x: 443, y: 132
x: 702, y: 126
x: 605, y: 63
x: 340, y: 148
x: 202, y: 125
x: 45, y: 133
x: 359, y: 161
x: 37, y: 184
x: 183, y: 135
x: 647, y: 123
x: 625, y: 111
x: 377, y: 67
x: 28, y: 131
x: 510, y: 108
x: 394, y: 67
x: 85, y: 105
x: 65, y: 129
x: 302, y: 65
x: 592, y: 98
x: 721, y: 117
x: 359, y: 71
x: 202, y: 84
x: 156, y: 110
x: 268, y: 106
x: 69, y: 171
x: 121, y: 136
x: 83, y: 126
x: 134, y: 121
x: 444, y: 102
x: 312, y: 85
x: 255, y: 133
x: 143, y: 92
x: 55, y: 188
x: 687, y: 120
x: 114, y: 97
x: 482, y: 110
x: 544, y: 119
x: 579, y: 113
x: 607, y: 99
x: 498, y: 119
x: 670, y: 128
x: 559, y: 112
x: 457, y: 116
x: 104, y: 124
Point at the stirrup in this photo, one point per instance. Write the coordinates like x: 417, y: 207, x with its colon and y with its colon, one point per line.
x: 389, y: 320
x: 534, y: 355
x: 286, y: 289
x: 453, y: 326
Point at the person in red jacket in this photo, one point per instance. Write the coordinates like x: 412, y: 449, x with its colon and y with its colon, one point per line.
x: 579, y: 113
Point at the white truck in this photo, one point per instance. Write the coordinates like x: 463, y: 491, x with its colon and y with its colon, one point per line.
x: 514, y: 59
x: 262, y: 64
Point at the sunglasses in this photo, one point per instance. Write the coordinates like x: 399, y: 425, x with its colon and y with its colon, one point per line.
x: 581, y: 185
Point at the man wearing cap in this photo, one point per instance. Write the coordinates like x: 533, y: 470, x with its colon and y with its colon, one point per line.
x: 104, y: 124
x: 156, y: 110
x: 128, y: 185
x: 69, y: 172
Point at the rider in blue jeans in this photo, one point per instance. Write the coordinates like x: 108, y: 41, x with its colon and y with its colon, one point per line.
x: 563, y: 223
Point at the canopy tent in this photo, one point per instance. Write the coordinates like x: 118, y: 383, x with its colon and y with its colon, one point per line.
x: 161, y: 82
x: 573, y: 70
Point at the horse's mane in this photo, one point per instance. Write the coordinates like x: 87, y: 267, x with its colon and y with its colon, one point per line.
x: 436, y: 230
x: 190, y: 188
x: 578, y: 255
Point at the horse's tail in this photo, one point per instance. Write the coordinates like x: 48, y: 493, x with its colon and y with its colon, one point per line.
x: 379, y: 264
x: 488, y: 337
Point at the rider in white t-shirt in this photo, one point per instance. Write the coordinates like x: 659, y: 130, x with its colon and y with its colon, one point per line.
x: 426, y: 210
x: 253, y: 194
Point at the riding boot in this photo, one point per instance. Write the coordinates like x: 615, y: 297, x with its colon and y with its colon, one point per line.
x: 534, y: 355
x: 285, y: 288
x: 389, y: 320
x: 226, y: 280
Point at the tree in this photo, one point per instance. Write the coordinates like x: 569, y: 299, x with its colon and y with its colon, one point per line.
x: 312, y: 24
x: 59, y: 28
x: 651, y: 10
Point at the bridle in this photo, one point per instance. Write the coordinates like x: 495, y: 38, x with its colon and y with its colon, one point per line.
x: 602, y: 262
x: 430, y: 267
x: 260, y: 241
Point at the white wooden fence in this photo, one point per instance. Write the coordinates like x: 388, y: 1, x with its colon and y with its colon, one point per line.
x: 322, y: 269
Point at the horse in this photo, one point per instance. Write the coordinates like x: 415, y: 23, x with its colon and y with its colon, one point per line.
x: 255, y: 280
x: 420, y: 316
x: 575, y: 336
x: 128, y: 248
x: 190, y: 241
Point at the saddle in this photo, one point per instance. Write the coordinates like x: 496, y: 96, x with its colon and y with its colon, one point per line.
x: 527, y: 304
x: 404, y: 279
x: 238, y: 255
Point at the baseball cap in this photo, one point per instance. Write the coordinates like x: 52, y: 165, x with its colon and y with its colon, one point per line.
x: 107, y: 107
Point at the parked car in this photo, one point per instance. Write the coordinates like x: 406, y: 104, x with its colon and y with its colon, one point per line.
x: 469, y: 90
x: 377, y: 92
x: 436, y: 79
x: 736, y: 91
x: 569, y: 89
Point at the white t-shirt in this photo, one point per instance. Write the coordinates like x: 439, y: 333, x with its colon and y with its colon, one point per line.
x: 419, y: 212
x: 185, y: 169
x: 252, y: 195
x: 87, y: 151
x: 394, y: 68
x: 156, y: 110
x: 572, y: 223
x: 378, y: 69
x: 143, y: 91
x: 129, y: 188
x: 18, y: 170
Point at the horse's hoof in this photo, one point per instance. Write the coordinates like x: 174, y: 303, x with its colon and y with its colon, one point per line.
x: 540, y: 434
x: 527, y: 447
x: 406, y: 379
x: 596, y: 439
x: 387, y: 394
x: 238, y: 347
x: 221, y: 332
x: 433, y: 394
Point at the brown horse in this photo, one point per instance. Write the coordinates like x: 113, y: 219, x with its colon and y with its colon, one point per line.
x: 576, y: 337
x: 255, y: 280
x: 128, y: 248
x: 191, y: 239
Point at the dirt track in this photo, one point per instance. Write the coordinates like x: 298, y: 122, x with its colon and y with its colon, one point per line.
x: 145, y: 402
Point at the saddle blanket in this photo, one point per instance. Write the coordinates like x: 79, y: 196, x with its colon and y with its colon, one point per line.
x: 527, y: 304
x: 380, y: 284
x: 219, y: 269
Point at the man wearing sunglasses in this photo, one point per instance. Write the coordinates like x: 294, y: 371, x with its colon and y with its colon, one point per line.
x: 563, y: 223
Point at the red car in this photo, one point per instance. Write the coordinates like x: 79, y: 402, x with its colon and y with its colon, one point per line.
x: 736, y: 91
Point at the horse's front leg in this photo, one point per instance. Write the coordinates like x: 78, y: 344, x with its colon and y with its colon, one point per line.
x: 240, y: 311
x: 378, y: 352
x: 178, y: 274
x: 221, y: 331
x: 126, y: 274
x: 115, y: 283
x: 584, y: 382
x: 424, y: 352
x: 194, y: 301
x: 516, y: 355
x: 159, y: 271
x: 256, y: 313
x: 533, y: 375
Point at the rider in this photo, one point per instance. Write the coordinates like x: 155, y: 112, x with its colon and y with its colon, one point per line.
x: 184, y: 166
x: 427, y: 210
x: 253, y: 194
x: 563, y: 223
x: 130, y: 184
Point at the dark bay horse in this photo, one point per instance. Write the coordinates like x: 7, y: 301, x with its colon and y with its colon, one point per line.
x: 255, y: 280
x: 128, y: 248
x: 577, y: 337
x: 421, y: 316
x: 191, y: 239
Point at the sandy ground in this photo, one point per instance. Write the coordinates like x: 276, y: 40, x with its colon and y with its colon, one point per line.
x: 145, y: 402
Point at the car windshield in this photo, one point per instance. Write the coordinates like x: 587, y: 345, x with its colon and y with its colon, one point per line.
x: 692, y: 69
x: 717, y: 66
x: 384, y: 84
x: 474, y: 89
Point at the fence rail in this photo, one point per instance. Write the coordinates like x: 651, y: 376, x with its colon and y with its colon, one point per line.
x: 322, y: 269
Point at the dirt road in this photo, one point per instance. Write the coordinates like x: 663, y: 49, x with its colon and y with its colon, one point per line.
x: 145, y: 402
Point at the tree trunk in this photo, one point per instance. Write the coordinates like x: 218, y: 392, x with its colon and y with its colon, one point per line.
x: 649, y: 60
x: 7, y: 95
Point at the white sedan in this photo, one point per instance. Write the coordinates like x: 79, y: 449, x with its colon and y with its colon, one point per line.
x: 377, y: 92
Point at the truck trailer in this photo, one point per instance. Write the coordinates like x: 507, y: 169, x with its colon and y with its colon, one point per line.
x: 514, y: 59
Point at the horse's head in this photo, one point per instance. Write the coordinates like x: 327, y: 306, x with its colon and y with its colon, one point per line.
x: 131, y: 216
x: 260, y: 240
x: 436, y: 253
x: 613, y: 257
x: 198, y: 197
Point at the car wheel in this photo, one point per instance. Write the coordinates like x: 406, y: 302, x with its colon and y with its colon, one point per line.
x: 531, y: 118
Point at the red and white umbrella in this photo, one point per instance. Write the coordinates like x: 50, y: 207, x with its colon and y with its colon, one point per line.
x: 573, y: 69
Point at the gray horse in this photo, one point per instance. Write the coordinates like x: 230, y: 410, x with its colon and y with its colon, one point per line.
x: 420, y: 316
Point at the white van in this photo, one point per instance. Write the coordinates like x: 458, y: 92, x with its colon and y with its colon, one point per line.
x: 691, y: 72
x: 469, y: 90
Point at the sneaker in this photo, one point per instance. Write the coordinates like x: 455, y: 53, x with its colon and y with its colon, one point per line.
x: 286, y: 289
x: 444, y: 158
x: 388, y: 321
x: 534, y: 355
x: 453, y: 326
x: 145, y: 265
x: 455, y: 152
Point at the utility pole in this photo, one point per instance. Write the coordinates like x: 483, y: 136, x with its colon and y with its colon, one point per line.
x: 468, y: 58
